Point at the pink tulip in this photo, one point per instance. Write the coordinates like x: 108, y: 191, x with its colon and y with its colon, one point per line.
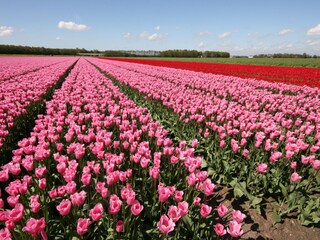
x: 295, y: 177
x: 219, y: 229
x: 5, y: 234
x: 222, y: 210
x: 183, y: 208
x: 208, y: 187
x: 34, y: 203
x: 82, y: 226
x: 42, y: 183
x: 34, y: 226
x: 136, y: 208
x: 196, y: 201
x: 316, y: 164
x: 174, y: 213
x: 64, y: 207
x: 262, y: 167
x: 114, y: 204
x: 178, y: 196
x: 96, y: 212
x: 205, y: 210
x: 78, y: 198
x: 293, y: 165
x: 238, y: 216
x: 16, y: 214
x: 166, y: 224
x: 234, y: 229
x: 119, y: 226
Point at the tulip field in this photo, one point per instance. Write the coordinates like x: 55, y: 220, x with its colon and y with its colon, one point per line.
x: 94, y: 148
x: 290, y: 75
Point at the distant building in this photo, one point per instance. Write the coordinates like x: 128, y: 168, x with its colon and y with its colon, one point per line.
x: 90, y: 54
x: 150, y: 53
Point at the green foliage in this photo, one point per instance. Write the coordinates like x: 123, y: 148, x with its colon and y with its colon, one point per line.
x: 12, y: 49
x: 178, y: 53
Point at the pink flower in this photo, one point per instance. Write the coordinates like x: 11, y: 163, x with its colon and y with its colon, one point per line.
x: 64, y: 207
x: 192, y: 179
x: 316, y: 164
x: 234, y: 145
x: 119, y: 226
x: 194, y: 143
x: 166, y: 224
x: 40, y: 171
x: 205, y: 210
x: 5, y: 234
x: 71, y: 187
x: 163, y: 193
x: 174, y: 213
x: 238, y: 216
x: 136, y: 208
x: 96, y: 212
x: 78, y: 198
x: 219, y: 229
x: 222, y: 144
x: 196, y: 201
x: 234, y: 229
x: 53, y: 193
x: 262, y: 167
x: 34, y: 203
x: 293, y: 165
x: 178, y: 196
x: 114, y: 204
x: 82, y: 226
x: 10, y: 225
x: 16, y: 214
x: 183, y: 208
x: 295, y: 177
x: 222, y: 210
x: 42, y: 183
x: 208, y: 187
x: 34, y: 226
x: 86, y: 178
x: 13, y: 200
x: 275, y: 156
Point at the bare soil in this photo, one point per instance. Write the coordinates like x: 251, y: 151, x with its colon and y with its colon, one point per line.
x: 261, y: 227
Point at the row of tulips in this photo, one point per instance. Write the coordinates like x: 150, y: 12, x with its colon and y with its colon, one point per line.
x: 96, y: 166
x: 265, y: 142
x: 19, y: 92
x: 15, y: 66
x: 290, y: 75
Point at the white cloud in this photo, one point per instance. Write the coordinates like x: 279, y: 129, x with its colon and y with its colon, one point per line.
x: 154, y: 37
x: 144, y: 35
x: 312, y: 43
x: 150, y: 36
x: 58, y: 38
x: 314, y: 31
x: 127, y: 35
x: 224, y: 35
x: 157, y: 28
x: 72, y: 26
x: 201, y: 46
x: 5, y: 31
x: 204, y: 33
x: 285, y: 31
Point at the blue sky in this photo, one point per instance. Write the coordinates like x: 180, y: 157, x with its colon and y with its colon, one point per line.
x: 240, y: 27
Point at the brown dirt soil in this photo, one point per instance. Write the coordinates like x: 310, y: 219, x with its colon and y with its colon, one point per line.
x: 260, y: 227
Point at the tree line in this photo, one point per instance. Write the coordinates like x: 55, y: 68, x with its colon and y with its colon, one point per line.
x: 193, y: 54
x: 13, y: 49
x: 177, y: 53
x: 285, y: 55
